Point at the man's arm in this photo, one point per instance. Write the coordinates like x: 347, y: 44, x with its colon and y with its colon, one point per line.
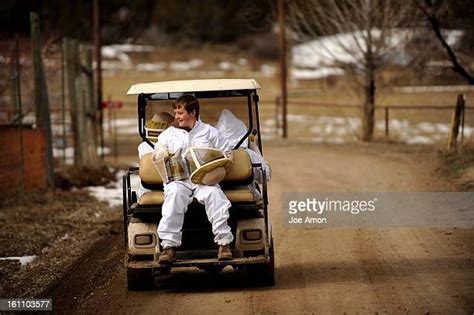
x: 143, y: 149
x: 161, y: 150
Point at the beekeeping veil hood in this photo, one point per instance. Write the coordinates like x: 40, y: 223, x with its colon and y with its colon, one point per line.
x: 207, y: 166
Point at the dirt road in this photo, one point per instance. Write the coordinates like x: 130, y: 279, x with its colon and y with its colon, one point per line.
x: 339, y: 270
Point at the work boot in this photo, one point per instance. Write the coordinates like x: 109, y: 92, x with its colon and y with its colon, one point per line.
x: 224, y: 252
x: 168, y: 256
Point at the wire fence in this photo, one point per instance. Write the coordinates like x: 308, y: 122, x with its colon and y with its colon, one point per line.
x: 341, y: 123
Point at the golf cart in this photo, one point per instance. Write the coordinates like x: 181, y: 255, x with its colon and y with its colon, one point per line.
x: 245, y: 185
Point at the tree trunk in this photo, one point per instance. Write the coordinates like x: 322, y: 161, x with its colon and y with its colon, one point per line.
x: 368, y: 118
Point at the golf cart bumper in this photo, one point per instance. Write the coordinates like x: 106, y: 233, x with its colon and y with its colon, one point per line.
x: 202, y: 262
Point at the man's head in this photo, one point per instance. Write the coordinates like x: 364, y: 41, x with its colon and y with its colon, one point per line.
x: 186, y: 111
x: 157, y: 125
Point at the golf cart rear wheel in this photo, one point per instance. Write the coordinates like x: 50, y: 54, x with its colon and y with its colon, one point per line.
x: 140, y: 279
x: 262, y: 274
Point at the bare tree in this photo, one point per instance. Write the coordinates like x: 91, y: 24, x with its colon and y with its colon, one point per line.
x: 363, y: 32
x: 431, y: 10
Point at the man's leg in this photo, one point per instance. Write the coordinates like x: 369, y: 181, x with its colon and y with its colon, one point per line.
x: 178, y: 196
x: 217, y: 208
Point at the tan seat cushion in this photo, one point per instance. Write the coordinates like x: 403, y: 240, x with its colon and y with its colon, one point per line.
x: 148, y: 173
x: 157, y: 197
x: 152, y: 198
x: 240, y: 170
x: 240, y: 195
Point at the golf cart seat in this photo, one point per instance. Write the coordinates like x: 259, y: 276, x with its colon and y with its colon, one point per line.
x: 234, y: 184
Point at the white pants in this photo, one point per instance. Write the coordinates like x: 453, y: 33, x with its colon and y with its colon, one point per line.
x: 178, y: 195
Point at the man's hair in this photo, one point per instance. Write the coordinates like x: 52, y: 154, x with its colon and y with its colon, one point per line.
x: 189, y: 102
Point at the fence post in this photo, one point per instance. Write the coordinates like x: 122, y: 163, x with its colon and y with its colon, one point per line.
x: 36, y: 57
x: 63, y: 98
x: 455, y: 122
x: 283, y: 66
x: 80, y: 108
x: 90, y: 109
x: 43, y: 118
x: 70, y: 56
x: 386, y: 121
x: 462, y: 120
x: 98, y: 71
x: 277, y: 112
x: 16, y: 97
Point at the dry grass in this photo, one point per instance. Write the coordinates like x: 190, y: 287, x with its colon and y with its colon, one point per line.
x: 458, y: 165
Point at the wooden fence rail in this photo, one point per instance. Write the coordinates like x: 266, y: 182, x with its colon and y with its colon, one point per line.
x: 385, y: 108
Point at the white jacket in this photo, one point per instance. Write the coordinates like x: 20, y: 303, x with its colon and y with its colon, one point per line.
x: 203, y: 135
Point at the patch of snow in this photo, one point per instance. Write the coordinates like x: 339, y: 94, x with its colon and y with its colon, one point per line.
x: 131, y: 48
x: 452, y: 37
x: 419, y: 140
x: 444, y: 128
x: 185, y: 65
x: 59, y: 152
x: 24, y: 260
x: 115, y: 65
x: 327, y: 52
x: 113, y: 52
x: 242, y: 62
x: 227, y: 66
x: 267, y: 70
x: 150, y: 66
x: 433, y: 88
x: 106, y: 150
x: 426, y: 127
x: 112, y: 193
x: 329, y: 129
x: 321, y: 72
x: 340, y: 131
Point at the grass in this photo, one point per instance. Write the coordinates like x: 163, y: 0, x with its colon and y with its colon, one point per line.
x: 455, y: 163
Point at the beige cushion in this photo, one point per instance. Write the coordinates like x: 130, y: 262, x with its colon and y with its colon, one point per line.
x: 157, y: 197
x: 152, y: 198
x: 148, y: 173
x: 240, y: 170
x: 241, y: 195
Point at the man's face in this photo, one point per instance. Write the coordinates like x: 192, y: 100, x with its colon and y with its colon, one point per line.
x: 183, y: 118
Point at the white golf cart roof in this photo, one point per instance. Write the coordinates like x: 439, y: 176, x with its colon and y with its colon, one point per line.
x: 194, y: 86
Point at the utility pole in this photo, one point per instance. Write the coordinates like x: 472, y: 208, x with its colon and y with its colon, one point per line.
x: 283, y: 67
x: 98, y: 73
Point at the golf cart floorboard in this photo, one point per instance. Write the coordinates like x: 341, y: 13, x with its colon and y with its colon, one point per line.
x: 201, y: 262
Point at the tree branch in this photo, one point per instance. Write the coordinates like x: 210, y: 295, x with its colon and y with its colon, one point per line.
x: 435, y: 26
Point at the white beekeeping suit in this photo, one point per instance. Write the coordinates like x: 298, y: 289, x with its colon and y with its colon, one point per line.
x: 179, y: 194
